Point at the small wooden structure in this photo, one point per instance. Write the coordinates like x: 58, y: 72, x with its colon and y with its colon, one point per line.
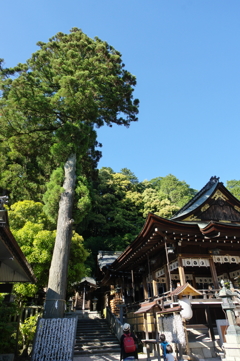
x: 150, y: 307
x: 83, y: 292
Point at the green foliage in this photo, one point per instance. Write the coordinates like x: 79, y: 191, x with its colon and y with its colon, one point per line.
x: 37, y: 245
x: 27, y: 211
x: 54, y: 189
x: 52, y: 195
x: 83, y: 199
x: 115, y: 218
x: 176, y: 191
x: 27, y: 330
x: 33, y: 232
x: 234, y: 187
x: 7, y: 328
x: 22, y: 167
x: 154, y: 203
x: 78, y: 255
x: 130, y: 175
x: 120, y: 205
x: 22, y: 291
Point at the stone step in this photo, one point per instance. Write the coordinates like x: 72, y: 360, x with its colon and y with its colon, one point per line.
x: 94, y: 337
x: 83, y: 338
x: 89, y: 327
x: 102, y: 350
x: 93, y: 332
x: 96, y: 344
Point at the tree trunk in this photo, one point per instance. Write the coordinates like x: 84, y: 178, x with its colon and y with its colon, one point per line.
x: 57, y: 282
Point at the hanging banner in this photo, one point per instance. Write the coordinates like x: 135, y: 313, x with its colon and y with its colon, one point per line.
x: 159, y: 273
x: 195, y: 262
x: 226, y: 259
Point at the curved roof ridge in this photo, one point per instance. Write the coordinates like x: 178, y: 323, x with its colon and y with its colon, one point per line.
x: 212, y: 183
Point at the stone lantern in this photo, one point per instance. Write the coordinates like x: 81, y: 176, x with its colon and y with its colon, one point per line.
x: 228, y: 306
x: 232, y: 344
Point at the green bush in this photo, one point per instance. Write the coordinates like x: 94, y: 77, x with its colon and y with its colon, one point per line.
x: 7, y: 328
x: 27, y: 330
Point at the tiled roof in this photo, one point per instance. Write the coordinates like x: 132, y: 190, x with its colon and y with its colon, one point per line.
x: 145, y: 307
x: 106, y: 258
x: 170, y: 310
x: 199, y: 198
x: 185, y: 290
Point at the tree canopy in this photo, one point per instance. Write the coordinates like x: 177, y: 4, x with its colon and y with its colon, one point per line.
x: 50, y: 105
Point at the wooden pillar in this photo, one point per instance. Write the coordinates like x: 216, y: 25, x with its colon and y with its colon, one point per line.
x: 186, y: 336
x: 181, y: 271
x: 194, y: 281
x: 167, y: 278
x: 213, y: 273
x: 147, y: 336
x: 146, y: 326
x: 133, y: 285
x: 83, y: 303
x: 123, y: 288
x: 156, y: 346
x: 145, y: 288
x: 155, y: 288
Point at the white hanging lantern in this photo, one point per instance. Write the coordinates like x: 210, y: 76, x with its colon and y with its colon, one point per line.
x: 186, y: 312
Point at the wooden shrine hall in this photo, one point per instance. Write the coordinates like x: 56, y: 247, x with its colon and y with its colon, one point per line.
x: 200, y: 245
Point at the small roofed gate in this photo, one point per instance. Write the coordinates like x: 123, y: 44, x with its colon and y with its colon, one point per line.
x: 82, y: 299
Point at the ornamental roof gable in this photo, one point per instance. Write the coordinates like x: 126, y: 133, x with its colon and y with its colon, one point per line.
x: 212, y: 203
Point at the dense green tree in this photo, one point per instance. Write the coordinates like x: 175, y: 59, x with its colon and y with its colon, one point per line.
x: 130, y: 175
x: 121, y: 204
x: 157, y: 204
x: 69, y: 86
x: 116, y: 215
x: 23, y: 171
x: 35, y: 236
x: 171, y: 188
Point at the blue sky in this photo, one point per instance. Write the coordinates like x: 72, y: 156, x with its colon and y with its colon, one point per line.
x: 186, y: 57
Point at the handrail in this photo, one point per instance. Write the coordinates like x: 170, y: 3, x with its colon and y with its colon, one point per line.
x: 115, y: 324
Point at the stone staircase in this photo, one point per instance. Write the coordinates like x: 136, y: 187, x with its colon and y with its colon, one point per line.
x: 94, y: 337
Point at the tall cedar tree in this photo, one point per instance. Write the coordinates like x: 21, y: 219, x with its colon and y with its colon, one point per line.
x: 69, y: 86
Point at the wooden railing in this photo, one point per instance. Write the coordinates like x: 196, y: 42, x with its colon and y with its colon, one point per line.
x: 26, y: 312
x: 114, y: 323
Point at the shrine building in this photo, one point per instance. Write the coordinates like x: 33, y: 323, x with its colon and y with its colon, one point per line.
x: 199, y: 245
